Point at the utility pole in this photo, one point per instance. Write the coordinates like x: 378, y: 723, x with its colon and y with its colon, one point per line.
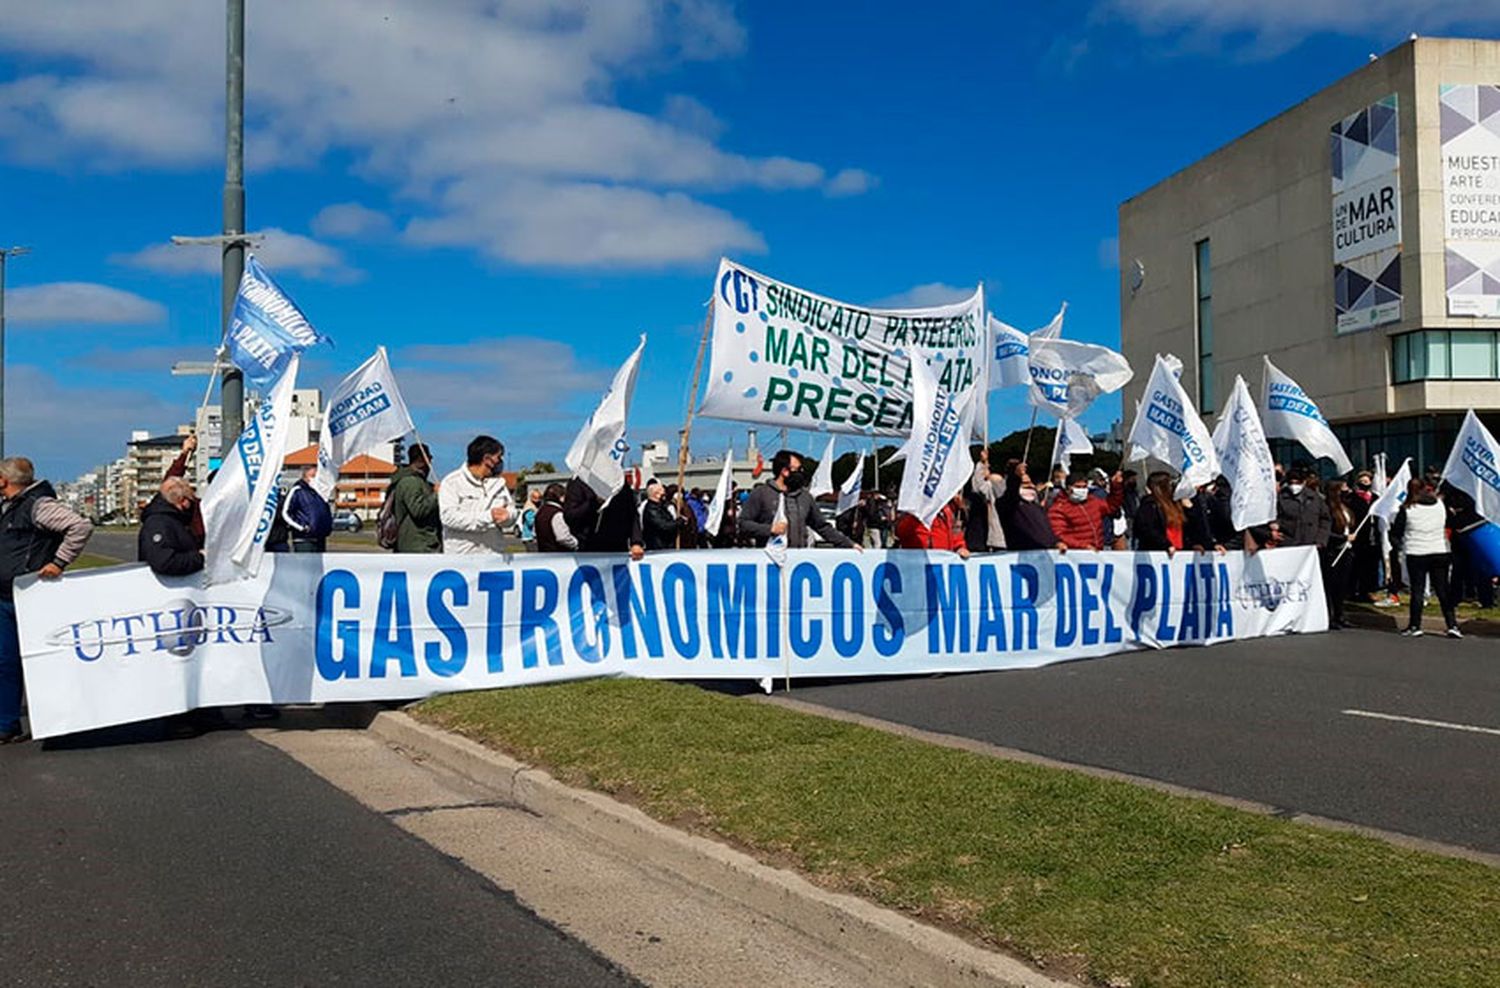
x: 5, y: 254
x: 232, y: 390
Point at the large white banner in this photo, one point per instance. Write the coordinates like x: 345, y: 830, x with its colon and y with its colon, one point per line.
x: 240, y: 504
x: 1470, y: 125
x: 1365, y: 149
x: 365, y: 410
x: 110, y: 646
x: 788, y: 358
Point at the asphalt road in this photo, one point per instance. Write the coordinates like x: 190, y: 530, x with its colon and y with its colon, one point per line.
x: 222, y: 861
x: 1260, y: 720
x: 113, y: 543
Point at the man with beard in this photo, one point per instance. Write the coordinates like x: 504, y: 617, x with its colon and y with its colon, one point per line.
x: 786, y: 493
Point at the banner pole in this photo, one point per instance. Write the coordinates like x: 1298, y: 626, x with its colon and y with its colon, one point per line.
x: 1352, y: 535
x: 1026, y: 453
x: 786, y: 636
x: 687, y: 425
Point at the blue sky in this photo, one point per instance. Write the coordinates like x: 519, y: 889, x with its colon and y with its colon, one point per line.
x: 506, y: 194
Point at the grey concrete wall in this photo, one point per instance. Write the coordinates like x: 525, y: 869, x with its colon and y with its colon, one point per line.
x: 1264, y: 202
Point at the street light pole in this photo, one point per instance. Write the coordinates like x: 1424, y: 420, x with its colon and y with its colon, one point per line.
x: 232, y: 390
x: 5, y: 254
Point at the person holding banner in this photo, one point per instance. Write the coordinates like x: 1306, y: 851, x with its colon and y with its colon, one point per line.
x: 166, y: 542
x: 1301, y: 515
x: 983, y: 532
x: 658, y: 527
x: 1420, y: 529
x: 308, y: 519
x: 1165, y: 524
x: 1027, y: 527
x: 787, y: 487
x: 473, y: 502
x: 946, y: 533
x: 1082, y: 521
x: 38, y: 534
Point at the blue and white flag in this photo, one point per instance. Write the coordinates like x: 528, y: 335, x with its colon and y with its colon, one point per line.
x: 849, y: 492
x: 1168, y: 428
x: 1066, y: 376
x: 266, y: 329
x: 1288, y: 413
x: 365, y: 410
x: 1072, y: 439
x: 597, y: 456
x: 1474, y: 467
x: 1245, y: 460
x: 1393, y: 494
x: 937, y: 454
x: 240, y: 504
x: 1010, y: 350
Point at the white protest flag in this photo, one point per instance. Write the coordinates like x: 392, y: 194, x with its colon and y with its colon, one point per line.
x: 1167, y: 427
x: 722, y: 493
x: 849, y: 493
x: 1071, y: 439
x: 1066, y: 376
x: 1009, y: 350
x: 241, y: 502
x: 1474, y: 467
x: 1290, y: 414
x: 365, y: 410
x: 822, y: 478
x: 1245, y: 460
x: 776, y: 545
x: 937, y: 454
x: 1393, y: 494
x: 597, y: 456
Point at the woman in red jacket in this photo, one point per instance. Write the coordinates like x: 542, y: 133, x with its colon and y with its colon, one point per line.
x: 946, y: 531
x: 1082, y: 520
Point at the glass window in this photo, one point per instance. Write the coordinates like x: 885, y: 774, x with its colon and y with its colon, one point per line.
x: 1472, y: 354
x: 1437, y: 354
x: 1204, y: 269
x: 1400, y: 358
x: 1203, y: 288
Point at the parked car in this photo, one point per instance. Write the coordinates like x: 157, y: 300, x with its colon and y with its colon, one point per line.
x: 345, y: 520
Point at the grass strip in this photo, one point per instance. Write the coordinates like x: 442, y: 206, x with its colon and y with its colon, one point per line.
x: 89, y: 560
x: 1085, y: 876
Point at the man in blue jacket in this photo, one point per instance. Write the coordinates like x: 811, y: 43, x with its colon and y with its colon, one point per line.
x: 308, y: 517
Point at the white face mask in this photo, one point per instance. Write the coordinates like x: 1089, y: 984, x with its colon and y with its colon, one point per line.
x: 1078, y: 495
x: 1028, y: 493
x: 1294, y: 488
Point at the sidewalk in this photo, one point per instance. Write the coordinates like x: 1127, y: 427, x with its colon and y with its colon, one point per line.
x: 1393, y: 619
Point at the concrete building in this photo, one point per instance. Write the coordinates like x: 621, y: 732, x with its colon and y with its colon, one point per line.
x: 1354, y: 239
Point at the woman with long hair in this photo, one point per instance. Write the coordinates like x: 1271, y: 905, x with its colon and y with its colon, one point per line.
x: 1337, y: 570
x: 1160, y: 520
x: 1421, y: 531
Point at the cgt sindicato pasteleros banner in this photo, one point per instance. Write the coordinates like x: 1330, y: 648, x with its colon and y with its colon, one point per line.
x: 111, y: 646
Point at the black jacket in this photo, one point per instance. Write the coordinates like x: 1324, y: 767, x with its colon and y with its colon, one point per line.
x: 658, y: 527
x: 166, y: 542
x: 1151, y: 526
x: 1025, y: 523
x: 619, y: 523
x: 580, y: 510
x: 1303, y: 518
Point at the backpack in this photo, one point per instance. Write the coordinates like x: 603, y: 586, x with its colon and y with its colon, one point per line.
x: 387, y: 525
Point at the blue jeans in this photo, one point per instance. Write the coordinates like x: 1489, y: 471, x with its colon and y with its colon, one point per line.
x: 10, y: 669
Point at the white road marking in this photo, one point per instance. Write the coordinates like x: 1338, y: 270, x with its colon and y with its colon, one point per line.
x: 1472, y: 729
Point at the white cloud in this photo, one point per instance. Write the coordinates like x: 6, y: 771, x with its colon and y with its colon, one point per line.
x: 426, y: 98
x: 924, y: 296
x: 280, y: 251
x: 350, y: 221
x: 1275, y: 23
x: 850, y: 182
x: 77, y: 302
x: 582, y: 225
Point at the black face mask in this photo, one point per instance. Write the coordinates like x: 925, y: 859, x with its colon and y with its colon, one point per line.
x: 796, y: 480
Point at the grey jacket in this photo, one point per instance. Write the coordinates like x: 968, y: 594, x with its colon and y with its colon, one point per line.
x: 801, y: 514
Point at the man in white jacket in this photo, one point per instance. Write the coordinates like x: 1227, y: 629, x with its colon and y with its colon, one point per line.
x: 473, y: 501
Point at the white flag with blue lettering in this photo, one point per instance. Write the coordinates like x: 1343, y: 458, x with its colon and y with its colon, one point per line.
x: 1071, y: 439
x: 1474, y: 467
x: 1168, y: 428
x: 1392, y: 495
x: 937, y: 454
x: 365, y: 410
x: 1245, y: 460
x: 240, y: 503
x: 266, y: 329
x: 849, y: 492
x: 1066, y: 376
x: 1009, y: 352
x: 597, y: 456
x: 1288, y: 413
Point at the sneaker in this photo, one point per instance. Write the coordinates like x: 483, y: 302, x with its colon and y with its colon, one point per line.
x: 1455, y: 633
x: 1412, y: 633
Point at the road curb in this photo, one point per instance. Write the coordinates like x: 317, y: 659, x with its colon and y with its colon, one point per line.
x: 879, y: 938
x: 1394, y: 619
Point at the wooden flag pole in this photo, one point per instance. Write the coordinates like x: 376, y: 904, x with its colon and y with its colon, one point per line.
x: 687, y: 426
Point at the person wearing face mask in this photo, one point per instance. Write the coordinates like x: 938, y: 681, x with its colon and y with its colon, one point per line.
x: 787, y: 486
x: 1338, y: 562
x: 1420, y: 528
x: 1082, y: 521
x: 1365, y: 575
x: 474, y: 503
x: 1023, y: 517
x: 1160, y: 522
x: 1301, y: 513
